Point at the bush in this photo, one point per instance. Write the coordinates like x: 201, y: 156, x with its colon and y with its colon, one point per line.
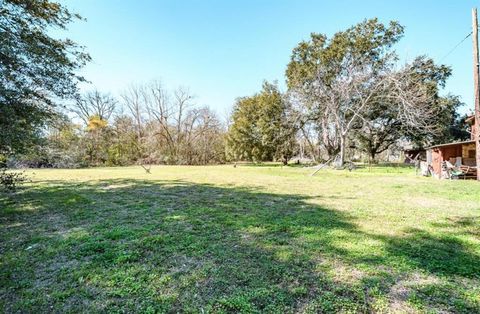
x: 9, y: 180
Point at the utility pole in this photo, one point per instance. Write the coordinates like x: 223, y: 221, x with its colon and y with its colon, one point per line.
x: 476, y: 89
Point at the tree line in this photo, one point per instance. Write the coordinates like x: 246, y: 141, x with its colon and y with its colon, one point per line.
x: 345, y: 94
x: 146, y: 125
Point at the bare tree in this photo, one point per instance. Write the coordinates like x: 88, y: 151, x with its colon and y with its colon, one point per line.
x: 95, y: 103
x: 161, y: 110
x: 170, y: 128
x: 204, y: 136
x: 182, y: 102
x: 133, y: 99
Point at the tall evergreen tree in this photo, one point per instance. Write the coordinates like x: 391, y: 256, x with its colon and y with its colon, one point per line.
x: 260, y: 127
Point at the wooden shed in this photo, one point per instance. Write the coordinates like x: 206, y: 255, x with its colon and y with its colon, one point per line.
x: 458, y: 154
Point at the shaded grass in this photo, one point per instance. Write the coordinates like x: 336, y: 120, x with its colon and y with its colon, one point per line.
x: 250, y: 239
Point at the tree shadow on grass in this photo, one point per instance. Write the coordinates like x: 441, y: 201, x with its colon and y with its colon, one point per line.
x: 444, y: 255
x: 171, y: 246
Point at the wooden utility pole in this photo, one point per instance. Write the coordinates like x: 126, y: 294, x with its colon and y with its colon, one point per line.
x: 476, y: 89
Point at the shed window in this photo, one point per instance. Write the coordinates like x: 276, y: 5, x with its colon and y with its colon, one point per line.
x: 471, y: 153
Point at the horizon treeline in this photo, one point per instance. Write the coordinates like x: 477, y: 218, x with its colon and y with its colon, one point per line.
x: 348, y: 97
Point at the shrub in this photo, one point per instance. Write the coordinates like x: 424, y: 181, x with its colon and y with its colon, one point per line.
x: 9, y: 180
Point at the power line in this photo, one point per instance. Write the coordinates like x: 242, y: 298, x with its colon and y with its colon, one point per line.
x: 456, y: 46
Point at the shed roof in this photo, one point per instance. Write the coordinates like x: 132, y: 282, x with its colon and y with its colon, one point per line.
x: 451, y: 144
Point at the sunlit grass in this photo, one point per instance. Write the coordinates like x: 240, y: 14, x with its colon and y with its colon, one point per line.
x: 244, y: 239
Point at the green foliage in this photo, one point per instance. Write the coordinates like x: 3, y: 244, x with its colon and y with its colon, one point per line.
x: 260, y: 127
x: 35, y: 68
x: 366, y: 42
x: 59, y: 147
x: 443, y: 126
x: 96, y: 141
x: 10, y: 180
x: 122, y: 145
x: 382, y: 125
x: 379, y: 132
x: 450, y: 126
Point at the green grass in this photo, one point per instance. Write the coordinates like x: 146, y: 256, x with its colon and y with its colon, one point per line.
x: 248, y: 239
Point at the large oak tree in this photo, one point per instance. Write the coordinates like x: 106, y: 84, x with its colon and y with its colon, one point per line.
x: 352, y: 83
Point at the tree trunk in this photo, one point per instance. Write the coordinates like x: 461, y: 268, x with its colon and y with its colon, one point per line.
x: 341, y: 155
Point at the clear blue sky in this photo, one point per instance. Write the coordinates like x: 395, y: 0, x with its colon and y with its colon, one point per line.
x: 225, y: 49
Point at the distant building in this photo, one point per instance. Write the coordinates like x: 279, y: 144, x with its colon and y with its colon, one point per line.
x: 413, y: 154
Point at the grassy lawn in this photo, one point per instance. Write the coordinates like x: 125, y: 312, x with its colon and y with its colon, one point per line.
x: 247, y: 239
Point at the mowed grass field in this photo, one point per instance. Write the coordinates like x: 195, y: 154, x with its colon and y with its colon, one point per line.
x: 249, y: 239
